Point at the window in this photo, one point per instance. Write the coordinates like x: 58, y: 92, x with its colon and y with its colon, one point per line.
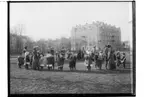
x: 113, y: 40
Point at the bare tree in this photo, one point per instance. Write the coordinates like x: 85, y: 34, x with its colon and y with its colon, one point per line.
x: 18, y: 30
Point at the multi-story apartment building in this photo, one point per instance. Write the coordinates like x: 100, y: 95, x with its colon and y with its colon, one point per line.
x: 96, y: 34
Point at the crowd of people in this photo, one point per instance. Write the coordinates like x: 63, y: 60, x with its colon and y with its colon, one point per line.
x: 110, y: 57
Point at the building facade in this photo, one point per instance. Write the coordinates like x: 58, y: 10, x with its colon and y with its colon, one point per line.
x: 96, y: 34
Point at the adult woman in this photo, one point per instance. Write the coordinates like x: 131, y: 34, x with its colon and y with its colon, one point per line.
x: 112, y: 64
x: 99, y: 60
x: 35, y: 59
x: 72, y: 61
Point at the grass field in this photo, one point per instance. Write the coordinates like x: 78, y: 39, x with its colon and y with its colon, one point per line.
x: 80, y: 81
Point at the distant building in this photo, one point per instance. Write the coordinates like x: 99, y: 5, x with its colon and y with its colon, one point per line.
x: 96, y: 34
x: 126, y: 44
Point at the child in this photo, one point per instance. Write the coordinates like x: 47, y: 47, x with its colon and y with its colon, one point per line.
x: 123, y: 60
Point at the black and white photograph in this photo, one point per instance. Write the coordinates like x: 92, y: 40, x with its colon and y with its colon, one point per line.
x: 71, y: 47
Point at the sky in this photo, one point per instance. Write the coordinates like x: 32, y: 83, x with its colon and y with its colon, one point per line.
x: 55, y: 20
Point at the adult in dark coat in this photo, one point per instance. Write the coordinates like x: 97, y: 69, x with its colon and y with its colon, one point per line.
x: 108, y: 50
x: 112, y: 64
x: 96, y: 59
x: 36, y: 57
x: 60, y: 61
x: 75, y: 59
x: 99, y: 60
x: 106, y: 56
x: 72, y: 62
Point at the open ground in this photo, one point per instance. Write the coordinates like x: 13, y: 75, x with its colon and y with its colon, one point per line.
x: 79, y: 81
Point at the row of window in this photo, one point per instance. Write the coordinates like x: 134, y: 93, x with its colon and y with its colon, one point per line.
x: 108, y: 34
x: 102, y: 33
x: 90, y: 27
x: 109, y: 37
x: 106, y: 41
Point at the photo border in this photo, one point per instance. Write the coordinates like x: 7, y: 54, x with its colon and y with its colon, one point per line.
x: 97, y: 94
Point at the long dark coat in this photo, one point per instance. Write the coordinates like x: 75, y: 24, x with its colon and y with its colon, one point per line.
x: 35, y: 60
x: 112, y: 64
x: 72, y: 61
